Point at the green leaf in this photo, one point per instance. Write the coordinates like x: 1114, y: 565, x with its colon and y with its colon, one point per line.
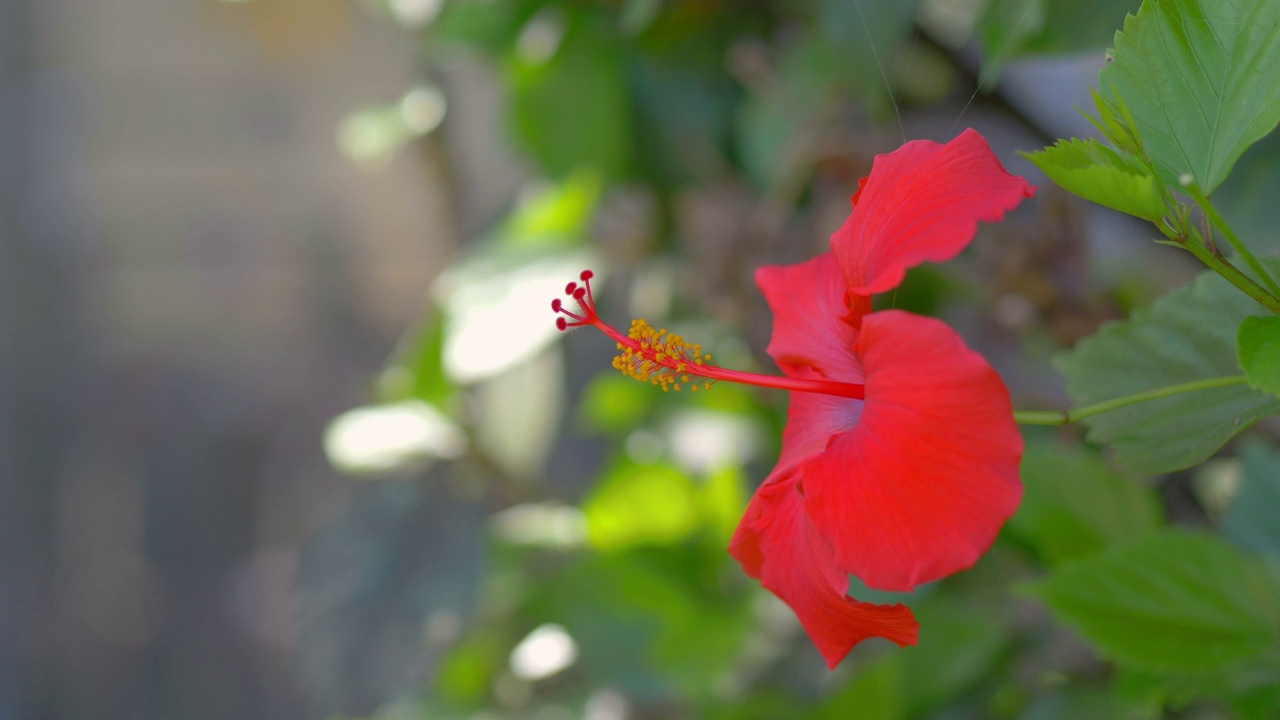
x: 1072, y: 702
x: 488, y: 25
x: 959, y: 644
x: 1100, y: 174
x: 1116, y: 123
x: 1187, y: 335
x: 649, y: 619
x: 555, y: 216
x: 724, y: 498
x: 1199, y: 78
x: 1259, y: 352
x: 771, y: 122
x: 642, y: 505
x: 416, y: 369
x: 878, y: 692
x: 1172, y: 601
x: 1074, y: 25
x: 1261, y: 702
x: 866, y: 38
x: 1252, y: 521
x: 614, y: 403
x: 1012, y: 28
x: 570, y: 103
x: 468, y: 671
x: 1244, y: 683
x: 762, y: 704
x: 1004, y: 28
x: 1073, y: 505
x: 1247, y: 199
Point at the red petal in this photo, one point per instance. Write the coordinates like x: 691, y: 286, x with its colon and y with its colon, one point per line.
x: 918, y: 489
x: 811, y: 340
x: 777, y: 544
x: 809, y: 330
x: 812, y: 421
x: 922, y: 202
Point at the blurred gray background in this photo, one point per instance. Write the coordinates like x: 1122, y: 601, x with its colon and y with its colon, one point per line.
x: 193, y: 281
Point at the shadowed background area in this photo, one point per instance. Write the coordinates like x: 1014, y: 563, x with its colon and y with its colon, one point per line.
x: 193, y: 281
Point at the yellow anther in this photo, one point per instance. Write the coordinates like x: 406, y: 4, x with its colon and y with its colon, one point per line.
x: 660, y: 357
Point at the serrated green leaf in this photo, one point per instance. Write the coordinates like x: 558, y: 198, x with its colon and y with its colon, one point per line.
x: 1187, y: 335
x: 1073, y: 505
x: 1173, y: 601
x: 1252, y: 521
x: 1116, y: 124
x: 1199, y: 78
x: 1239, y: 682
x: 1259, y: 352
x: 1100, y: 174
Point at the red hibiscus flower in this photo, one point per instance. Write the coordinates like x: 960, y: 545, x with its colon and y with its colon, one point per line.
x: 900, y: 457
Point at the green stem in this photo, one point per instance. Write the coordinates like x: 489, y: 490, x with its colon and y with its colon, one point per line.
x: 1216, y: 219
x: 1233, y: 275
x: 1063, y: 417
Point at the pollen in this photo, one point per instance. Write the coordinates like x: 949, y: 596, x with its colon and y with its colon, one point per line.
x: 660, y: 358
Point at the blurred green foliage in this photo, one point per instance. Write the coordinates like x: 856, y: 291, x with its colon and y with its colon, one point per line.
x: 592, y: 508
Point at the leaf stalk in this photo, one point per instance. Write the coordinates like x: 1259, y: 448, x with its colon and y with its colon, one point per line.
x: 1065, y: 417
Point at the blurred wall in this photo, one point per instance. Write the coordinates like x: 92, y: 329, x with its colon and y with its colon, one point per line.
x: 193, y: 280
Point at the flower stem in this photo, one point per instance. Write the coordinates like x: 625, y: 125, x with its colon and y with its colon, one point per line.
x: 1233, y: 275
x: 1063, y: 417
x: 1216, y: 220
